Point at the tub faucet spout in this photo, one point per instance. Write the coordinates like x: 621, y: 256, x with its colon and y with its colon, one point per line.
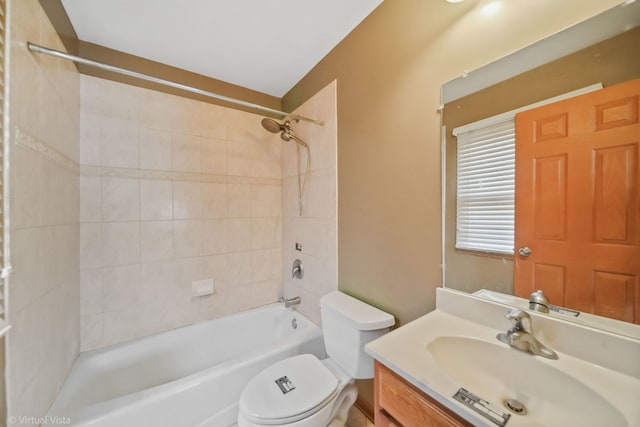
x: 291, y: 301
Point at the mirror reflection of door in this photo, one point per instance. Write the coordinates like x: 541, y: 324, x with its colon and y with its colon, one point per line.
x: 577, y: 206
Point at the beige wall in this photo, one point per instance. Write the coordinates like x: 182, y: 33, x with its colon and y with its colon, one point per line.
x: 389, y: 71
x: 316, y: 228
x: 172, y: 191
x: 44, y: 300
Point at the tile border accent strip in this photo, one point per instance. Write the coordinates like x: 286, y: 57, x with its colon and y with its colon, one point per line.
x: 100, y: 171
x: 25, y: 140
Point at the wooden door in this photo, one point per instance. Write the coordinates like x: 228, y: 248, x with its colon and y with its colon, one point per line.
x: 577, y: 204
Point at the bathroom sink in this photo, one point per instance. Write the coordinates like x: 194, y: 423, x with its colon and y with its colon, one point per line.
x: 452, y: 355
x: 495, y: 372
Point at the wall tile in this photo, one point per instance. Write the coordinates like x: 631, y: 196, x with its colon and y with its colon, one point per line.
x: 214, y: 200
x: 266, y: 200
x: 156, y: 240
x: 265, y: 233
x: 119, y: 144
x: 26, y: 282
x: 120, y: 199
x: 91, y: 291
x: 121, y: 287
x: 124, y: 325
x: 239, y: 234
x: 187, y: 200
x: 156, y: 199
x: 239, y: 201
x: 91, y: 331
x: 239, y: 158
x: 186, y: 153
x: 239, y: 268
x: 316, y: 228
x: 187, y: 238
x: 155, y: 149
x: 90, y: 245
x: 215, y: 121
x: 216, y: 268
x: 187, y: 270
x: 214, y: 156
x: 45, y: 237
x: 26, y: 189
x: 208, y: 206
x: 214, y: 236
x: 90, y: 199
x: 90, y: 149
x: 261, y: 266
x: 120, y: 243
x: 161, y: 276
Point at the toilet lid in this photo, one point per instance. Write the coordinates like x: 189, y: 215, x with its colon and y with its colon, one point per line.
x: 292, y: 388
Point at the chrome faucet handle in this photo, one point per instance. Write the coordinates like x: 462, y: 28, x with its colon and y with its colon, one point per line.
x: 297, y: 272
x: 522, y: 320
x: 538, y: 301
x: 521, y: 335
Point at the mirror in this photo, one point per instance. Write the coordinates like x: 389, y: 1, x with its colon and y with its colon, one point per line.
x: 603, y: 49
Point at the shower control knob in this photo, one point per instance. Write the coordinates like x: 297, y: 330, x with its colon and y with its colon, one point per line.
x: 524, y: 251
x: 297, y: 272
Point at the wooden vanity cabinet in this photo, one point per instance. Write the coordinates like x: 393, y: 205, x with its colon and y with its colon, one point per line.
x: 400, y: 404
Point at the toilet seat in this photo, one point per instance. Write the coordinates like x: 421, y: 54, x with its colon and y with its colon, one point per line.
x: 288, y: 391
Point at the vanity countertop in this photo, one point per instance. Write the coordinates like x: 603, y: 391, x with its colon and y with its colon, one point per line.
x: 596, y: 371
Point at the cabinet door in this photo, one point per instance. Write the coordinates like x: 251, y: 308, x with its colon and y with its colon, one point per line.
x: 407, y: 405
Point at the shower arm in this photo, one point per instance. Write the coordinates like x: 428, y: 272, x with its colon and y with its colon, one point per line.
x: 112, y: 68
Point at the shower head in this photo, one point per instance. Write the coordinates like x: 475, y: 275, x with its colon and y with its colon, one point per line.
x: 273, y: 126
x: 285, y: 129
x: 285, y: 136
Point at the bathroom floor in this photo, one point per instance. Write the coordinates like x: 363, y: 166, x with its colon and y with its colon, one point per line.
x: 358, y: 419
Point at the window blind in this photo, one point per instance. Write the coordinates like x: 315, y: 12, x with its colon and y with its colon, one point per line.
x: 486, y: 188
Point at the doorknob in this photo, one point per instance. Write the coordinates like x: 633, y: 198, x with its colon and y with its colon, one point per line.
x: 524, y: 251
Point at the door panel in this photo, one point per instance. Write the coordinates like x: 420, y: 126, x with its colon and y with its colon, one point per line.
x: 577, y: 202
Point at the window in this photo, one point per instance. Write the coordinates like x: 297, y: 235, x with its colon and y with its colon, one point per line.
x: 485, y: 214
x: 486, y: 188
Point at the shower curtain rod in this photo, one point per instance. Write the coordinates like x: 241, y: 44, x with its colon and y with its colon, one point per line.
x: 47, y: 51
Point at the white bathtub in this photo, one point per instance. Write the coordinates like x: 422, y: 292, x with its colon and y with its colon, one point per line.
x: 188, y: 377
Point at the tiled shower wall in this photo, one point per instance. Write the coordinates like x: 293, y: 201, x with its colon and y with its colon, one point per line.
x: 44, y: 297
x: 172, y: 190
x: 316, y: 228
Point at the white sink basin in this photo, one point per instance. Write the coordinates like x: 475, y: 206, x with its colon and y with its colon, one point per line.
x: 594, y: 382
x: 496, y: 372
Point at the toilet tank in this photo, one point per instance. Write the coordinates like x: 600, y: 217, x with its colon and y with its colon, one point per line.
x: 347, y: 325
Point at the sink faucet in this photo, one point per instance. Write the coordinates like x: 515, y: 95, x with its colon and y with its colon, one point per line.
x: 538, y: 301
x: 521, y: 336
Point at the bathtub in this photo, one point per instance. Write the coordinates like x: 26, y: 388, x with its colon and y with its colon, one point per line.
x: 187, y: 377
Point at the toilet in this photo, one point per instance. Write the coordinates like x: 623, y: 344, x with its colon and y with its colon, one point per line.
x: 304, y: 391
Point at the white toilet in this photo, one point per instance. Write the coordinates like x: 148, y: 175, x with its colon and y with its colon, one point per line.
x: 303, y: 391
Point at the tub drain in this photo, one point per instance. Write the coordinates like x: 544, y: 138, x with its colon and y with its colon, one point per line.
x: 515, y: 406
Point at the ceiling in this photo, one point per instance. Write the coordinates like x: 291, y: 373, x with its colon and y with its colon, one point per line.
x: 264, y: 45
